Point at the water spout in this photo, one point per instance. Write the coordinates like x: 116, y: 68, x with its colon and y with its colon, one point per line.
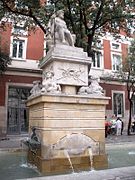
x: 91, y: 158
x: 69, y: 159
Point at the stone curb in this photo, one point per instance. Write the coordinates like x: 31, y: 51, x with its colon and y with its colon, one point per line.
x: 124, y: 173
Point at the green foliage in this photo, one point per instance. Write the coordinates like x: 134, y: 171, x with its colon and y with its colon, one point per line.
x: 1, y: 11
x: 131, y: 56
x: 85, y: 18
x: 5, y: 60
x: 129, y: 65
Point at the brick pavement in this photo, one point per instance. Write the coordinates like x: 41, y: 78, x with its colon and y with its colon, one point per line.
x: 120, y: 139
x: 11, y: 142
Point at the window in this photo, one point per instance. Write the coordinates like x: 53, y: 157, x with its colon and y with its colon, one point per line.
x: 19, y: 30
x: 97, y: 59
x: 115, y: 46
x: 116, y: 62
x: 18, y: 42
x: 18, y: 48
x: 118, y: 104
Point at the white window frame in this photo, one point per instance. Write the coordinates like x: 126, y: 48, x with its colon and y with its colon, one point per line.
x: 24, y: 49
x: 114, y: 49
x: 25, y: 33
x: 101, y: 60
x: 112, y: 60
x: 123, y: 108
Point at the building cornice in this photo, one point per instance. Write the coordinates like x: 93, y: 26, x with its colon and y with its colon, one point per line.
x: 24, y: 72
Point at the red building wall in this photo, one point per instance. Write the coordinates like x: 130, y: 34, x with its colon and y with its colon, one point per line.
x: 5, y: 35
x: 107, y: 54
x: 35, y: 45
x: 124, y: 48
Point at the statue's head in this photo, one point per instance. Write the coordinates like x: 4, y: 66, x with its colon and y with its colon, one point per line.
x: 60, y: 13
x: 49, y: 74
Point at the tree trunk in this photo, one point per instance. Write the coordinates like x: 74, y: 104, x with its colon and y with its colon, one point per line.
x: 89, y: 51
x: 90, y: 39
x: 130, y: 117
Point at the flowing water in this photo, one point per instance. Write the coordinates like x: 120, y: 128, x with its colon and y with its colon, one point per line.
x: 68, y: 157
x: 91, y: 159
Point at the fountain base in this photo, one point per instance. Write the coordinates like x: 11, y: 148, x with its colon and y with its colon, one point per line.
x: 61, y: 165
x: 68, y: 122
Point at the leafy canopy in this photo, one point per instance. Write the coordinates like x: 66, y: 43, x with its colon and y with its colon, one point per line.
x: 4, y: 61
x: 86, y: 18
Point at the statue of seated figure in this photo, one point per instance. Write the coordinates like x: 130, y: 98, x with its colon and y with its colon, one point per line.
x: 58, y: 31
x: 36, y: 89
x: 49, y: 85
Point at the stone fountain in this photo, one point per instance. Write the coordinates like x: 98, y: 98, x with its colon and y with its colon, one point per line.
x: 66, y: 113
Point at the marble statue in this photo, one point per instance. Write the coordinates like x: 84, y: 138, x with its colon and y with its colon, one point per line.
x: 49, y: 85
x: 58, y: 31
x: 93, y: 88
x: 36, y: 89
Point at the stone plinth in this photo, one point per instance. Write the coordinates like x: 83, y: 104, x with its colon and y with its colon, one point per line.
x: 58, y: 116
x: 69, y: 65
x: 62, y: 165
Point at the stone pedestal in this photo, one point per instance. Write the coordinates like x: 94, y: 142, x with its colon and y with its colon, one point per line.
x: 69, y: 66
x: 58, y: 116
x: 69, y: 123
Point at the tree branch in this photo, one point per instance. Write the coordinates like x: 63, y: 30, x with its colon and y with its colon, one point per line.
x: 28, y: 14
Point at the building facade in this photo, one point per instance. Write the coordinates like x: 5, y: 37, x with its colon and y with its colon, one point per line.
x: 109, y: 59
x: 26, y: 49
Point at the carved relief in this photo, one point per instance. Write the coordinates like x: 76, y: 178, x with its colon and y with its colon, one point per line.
x: 71, y: 73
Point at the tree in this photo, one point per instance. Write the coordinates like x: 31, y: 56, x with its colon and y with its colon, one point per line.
x: 5, y: 59
x: 128, y: 74
x: 87, y: 18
